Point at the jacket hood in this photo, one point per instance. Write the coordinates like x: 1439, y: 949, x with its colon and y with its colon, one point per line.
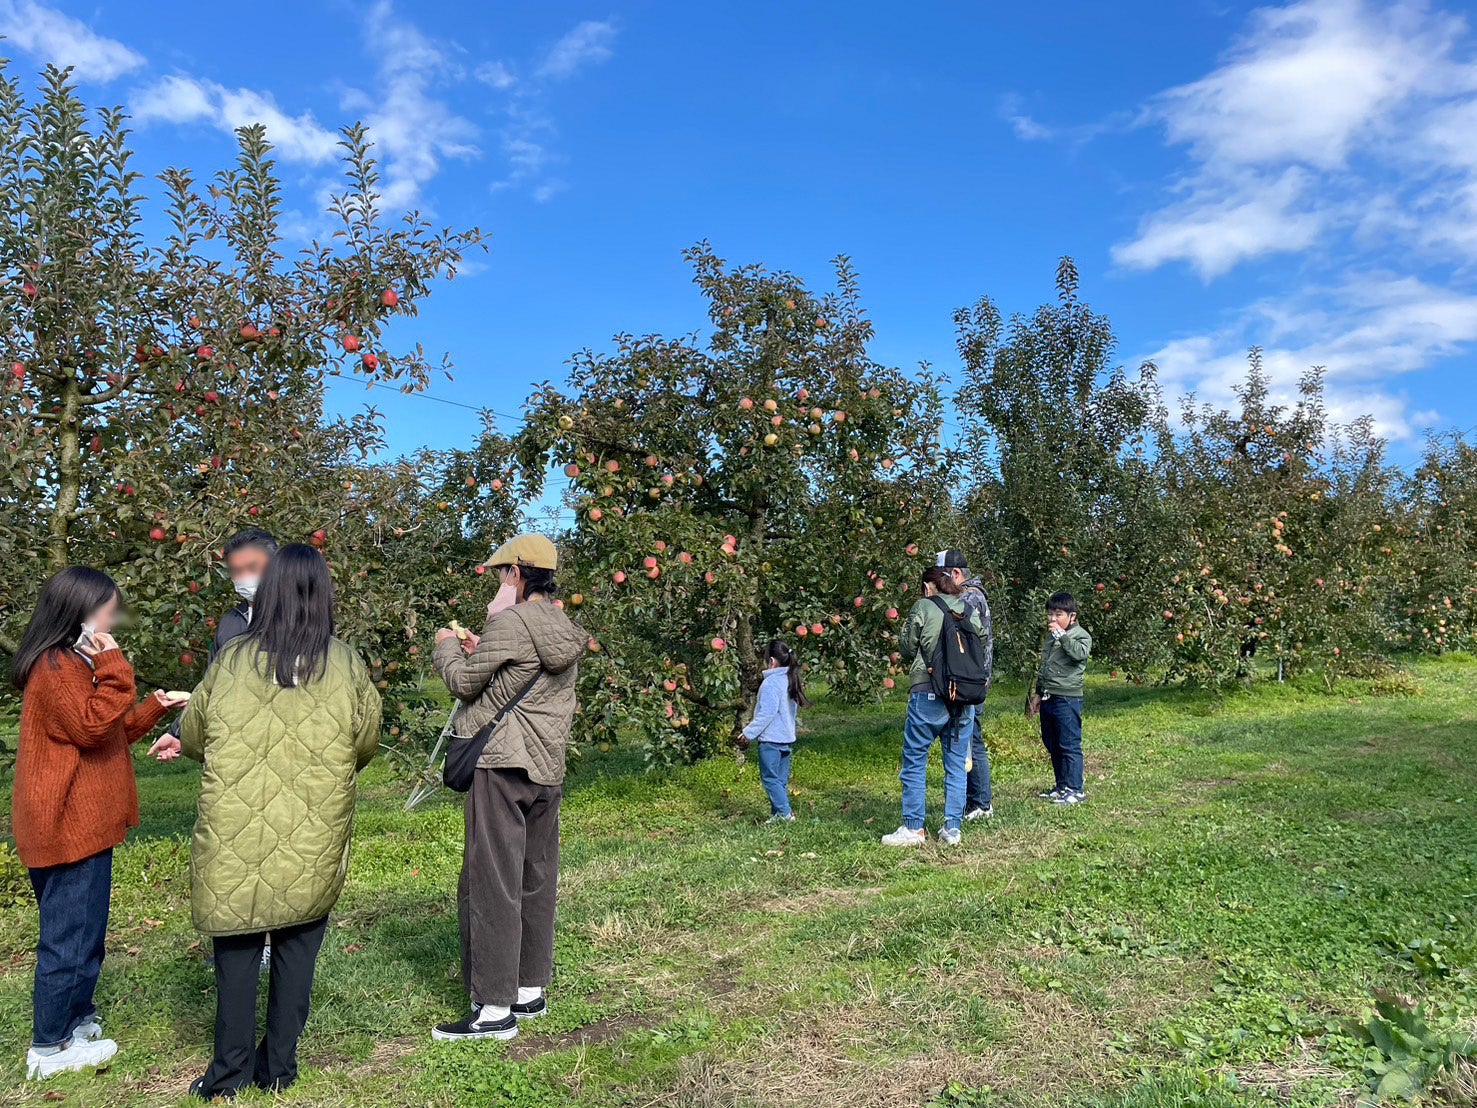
x: 558, y: 641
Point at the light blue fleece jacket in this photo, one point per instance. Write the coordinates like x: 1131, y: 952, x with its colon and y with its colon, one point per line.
x: 774, y: 714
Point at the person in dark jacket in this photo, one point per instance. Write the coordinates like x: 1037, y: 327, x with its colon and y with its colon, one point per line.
x: 978, y: 796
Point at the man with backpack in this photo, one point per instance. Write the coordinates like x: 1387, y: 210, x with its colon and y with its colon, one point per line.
x: 978, y: 796
x: 947, y: 679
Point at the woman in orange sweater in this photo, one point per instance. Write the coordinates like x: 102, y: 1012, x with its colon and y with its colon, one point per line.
x: 74, y: 801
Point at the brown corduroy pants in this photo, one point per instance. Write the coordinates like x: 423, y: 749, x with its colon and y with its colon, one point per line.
x: 510, y: 878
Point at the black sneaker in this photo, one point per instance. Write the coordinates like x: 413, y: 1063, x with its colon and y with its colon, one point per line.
x: 470, y: 1027
x: 1070, y: 796
x: 1051, y: 794
x: 531, y: 1009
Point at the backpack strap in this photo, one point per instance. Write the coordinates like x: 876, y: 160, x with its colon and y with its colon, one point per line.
x: 948, y: 611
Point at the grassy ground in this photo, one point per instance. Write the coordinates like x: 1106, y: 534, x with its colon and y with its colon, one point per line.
x: 1242, y: 879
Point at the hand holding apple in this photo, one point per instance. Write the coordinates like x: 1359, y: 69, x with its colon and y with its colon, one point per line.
x: 444, y: 633
x: 172, y: 698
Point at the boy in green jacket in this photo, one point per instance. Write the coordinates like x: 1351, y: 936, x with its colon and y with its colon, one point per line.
x: 1057, y: 697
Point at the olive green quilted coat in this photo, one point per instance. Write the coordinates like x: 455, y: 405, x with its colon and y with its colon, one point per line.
x: 271, y: 846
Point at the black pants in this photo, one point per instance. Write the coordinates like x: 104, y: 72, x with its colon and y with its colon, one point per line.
x: 510, y: 877
x: 239, y: 1060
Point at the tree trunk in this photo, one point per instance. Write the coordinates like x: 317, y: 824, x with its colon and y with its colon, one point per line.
x: 68, y: 474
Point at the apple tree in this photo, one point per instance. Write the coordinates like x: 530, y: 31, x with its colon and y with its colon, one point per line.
x: 1063, y: 450
x: 164, y: 378
x: 771, y: 480
x: 1438, y: 600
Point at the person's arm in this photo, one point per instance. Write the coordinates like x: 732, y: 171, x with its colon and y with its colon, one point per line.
x: 1077, y: 644
x: 466, y: 675
x: 144, y: 716
x: 368, y: 712
x: 765, y: 710
x: 192, y: 724
x: 89, y: 722
x: 910, y: 639
x: 987, y: 639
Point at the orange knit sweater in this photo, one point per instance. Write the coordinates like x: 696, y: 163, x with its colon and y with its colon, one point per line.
x: 74, y: 790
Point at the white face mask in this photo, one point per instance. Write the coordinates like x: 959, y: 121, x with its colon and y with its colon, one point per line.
x: 89, y: 629
x: 246, y: 588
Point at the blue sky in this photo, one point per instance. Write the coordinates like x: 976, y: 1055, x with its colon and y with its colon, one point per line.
x: 1298, y: 176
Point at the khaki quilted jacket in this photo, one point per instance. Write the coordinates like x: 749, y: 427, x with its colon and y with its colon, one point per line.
x: 271, y: 845
x: 517, y: 643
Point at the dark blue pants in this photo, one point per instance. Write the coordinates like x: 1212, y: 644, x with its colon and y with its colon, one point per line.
x: 774, y: 775
x: 977, y: 791
x: 1061, y: 734
x: 73, y: 899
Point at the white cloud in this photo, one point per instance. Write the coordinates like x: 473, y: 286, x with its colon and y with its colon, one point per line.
x: 1327, y: 118
x: 413, y: 128
x: 54, y: 37
x: 1026, y: 129
x: 183, y: 99
x: 588, y: 43
x: 1365, y: 332
x: 496, y: 74
x: 1220, y: 225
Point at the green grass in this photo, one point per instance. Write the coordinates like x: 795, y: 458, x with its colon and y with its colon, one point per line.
x: 1245, y: 875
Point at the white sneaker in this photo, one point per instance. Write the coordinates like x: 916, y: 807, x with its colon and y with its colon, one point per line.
x: 86, y: 1032
x: 76, y: 1055
x: 949, y: 836
x: 979, y: 813
x: 905, y: 836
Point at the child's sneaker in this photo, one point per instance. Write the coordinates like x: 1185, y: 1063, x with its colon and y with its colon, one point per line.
x: 88, y: 1030
x: 1051, y: 794
x: 78, y: 1054
x: 1069, y: 796
x: 979, y: 813
x: 777, y: 818
x: 950, y: 836
x: 905, y: 836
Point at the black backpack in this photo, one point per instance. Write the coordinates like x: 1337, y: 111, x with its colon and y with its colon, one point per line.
x: 957, y: 672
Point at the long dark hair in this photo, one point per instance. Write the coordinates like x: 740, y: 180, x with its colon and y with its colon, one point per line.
x: 778, y: 651
x: 67, y: 599
x: 292, y: 617
x: 942, y: 580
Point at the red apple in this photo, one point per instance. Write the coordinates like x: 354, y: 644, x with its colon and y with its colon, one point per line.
x: 802, y: 631
x: 817, y: 629
x: 389, y: 298
x: 888, y: 682
x: 28, y: 290
x: 891, y: 613
x: 654, y: 572
x: 250, y: 333
x: 571, y: 470
x: 187, y: 659
x: 479, y: 570
x: 685, y: 558
x: 319, y: 538
x: 253, y: 511
x: 157, y: 534
x: 204, y: 353
x: 719, y: 644
x: 193, y: 586
x: 746, y: 404
x: 649, y: 562
x: 351, y: 343
x: 618, y: 577
x: 596, y: 515
x: 709, y: 577
x: 370, y: 362
x: 497, y: 484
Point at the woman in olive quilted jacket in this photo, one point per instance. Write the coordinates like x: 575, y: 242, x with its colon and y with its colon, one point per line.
x: 286, y: 717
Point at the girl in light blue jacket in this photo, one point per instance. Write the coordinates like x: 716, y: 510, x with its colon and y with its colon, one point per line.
x: 781, y: 696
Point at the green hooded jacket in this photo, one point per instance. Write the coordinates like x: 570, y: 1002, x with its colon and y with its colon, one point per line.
x: 1064, y: 662
x: 920, y: 634
x: 271, y: 844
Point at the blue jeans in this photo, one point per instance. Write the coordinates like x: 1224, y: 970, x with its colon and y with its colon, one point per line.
x: 774, y: 774
x: 1061, y: 734
x: 927, y: 720
x: 978, y: 793
x: 73, y: 899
